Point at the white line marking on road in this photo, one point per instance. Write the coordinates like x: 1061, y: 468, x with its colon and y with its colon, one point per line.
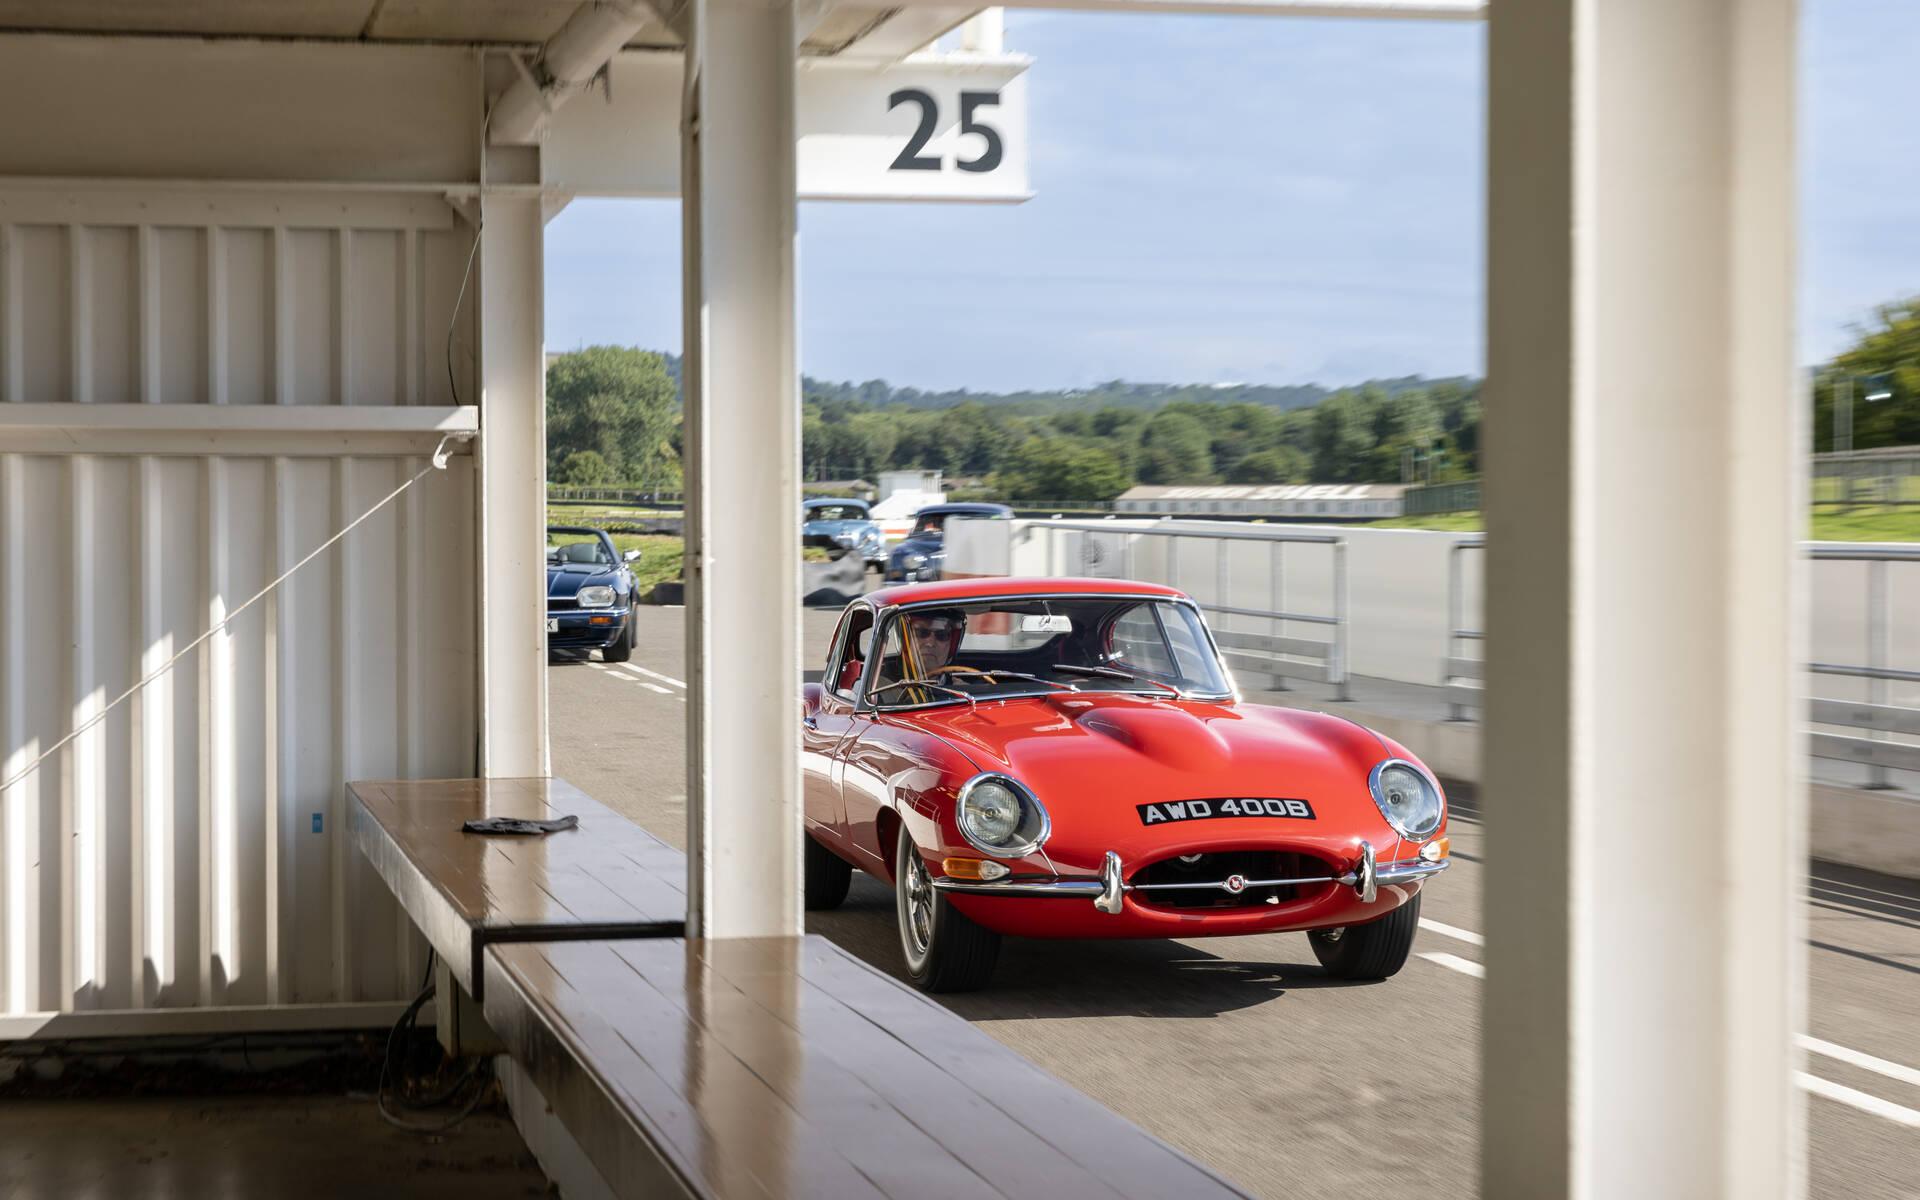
x: 1454, y: 962
x: 1860, y: 1100
x: 1466, y: 935
x: 1879, y: 1066
x: 653, y: 675
x: 654, y: 687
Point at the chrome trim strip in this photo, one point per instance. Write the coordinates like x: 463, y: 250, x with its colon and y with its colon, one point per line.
x: 1066, y: 888
x: 1106, y: 890
x: 1224, y: 886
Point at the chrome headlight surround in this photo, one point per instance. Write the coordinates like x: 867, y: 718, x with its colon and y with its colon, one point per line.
x: 597, y: 595
x: 1030, y: 832
x: 1416, y: 818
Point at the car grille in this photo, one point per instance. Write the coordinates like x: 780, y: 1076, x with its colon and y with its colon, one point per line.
x: 562, y: 604
x: 1197, y: 884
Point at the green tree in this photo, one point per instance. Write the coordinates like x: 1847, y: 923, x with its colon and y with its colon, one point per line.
x: 1887, y: 350
x: 619, y: 403
x: 583, y: 468
x: 1175, y: 448
x: 1283, y: 464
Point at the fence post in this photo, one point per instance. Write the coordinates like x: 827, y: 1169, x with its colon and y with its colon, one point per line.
x: 1340, y: 618
x: 1879, y: 652
x: 1277, y: 600
x: 1455, y: 602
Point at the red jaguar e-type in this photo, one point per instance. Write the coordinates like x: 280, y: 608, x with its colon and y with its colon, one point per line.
x: 1069, y: 758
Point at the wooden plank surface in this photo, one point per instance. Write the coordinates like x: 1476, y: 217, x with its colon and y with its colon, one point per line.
x: 606, y: 877
x: 785, y: 1067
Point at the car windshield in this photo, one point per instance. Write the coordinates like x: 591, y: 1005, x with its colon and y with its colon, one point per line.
x: 571, y: 546
x: 836, y: 512
x: 997, y: 649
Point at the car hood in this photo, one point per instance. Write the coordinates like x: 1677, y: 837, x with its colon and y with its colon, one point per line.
x: 836, y: 528
x: 564, y: 579
x: 922, y: 543
x: 1091, y: 757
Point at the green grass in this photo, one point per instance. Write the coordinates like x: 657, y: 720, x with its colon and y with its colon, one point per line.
x: 1463, y: 522
x: 591, y: 513
x: 1827, y: 523
x: 660, y: 557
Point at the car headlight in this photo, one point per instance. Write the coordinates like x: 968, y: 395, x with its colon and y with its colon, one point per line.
x: 596, y: 596
x: 1409, y: 800
x: 913, y: 558
x: 1000, y: 817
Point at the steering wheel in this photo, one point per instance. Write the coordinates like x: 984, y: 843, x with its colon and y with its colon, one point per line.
x: 957, y: 669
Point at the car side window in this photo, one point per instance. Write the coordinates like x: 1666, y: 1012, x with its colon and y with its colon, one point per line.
x: 850, y: 659
x: 1137, y: 642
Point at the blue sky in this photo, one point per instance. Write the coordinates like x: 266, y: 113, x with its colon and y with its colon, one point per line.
x: 1226, y: 199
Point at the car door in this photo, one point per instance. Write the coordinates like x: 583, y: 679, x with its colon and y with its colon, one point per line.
x: 867, y: 763
x: 830, y: 722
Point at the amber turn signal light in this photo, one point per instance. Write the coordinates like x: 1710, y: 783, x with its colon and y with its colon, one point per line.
x: 973, y: 868
x: 1436, y: 849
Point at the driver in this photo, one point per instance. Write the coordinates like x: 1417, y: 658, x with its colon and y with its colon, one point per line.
x: 936, y: 636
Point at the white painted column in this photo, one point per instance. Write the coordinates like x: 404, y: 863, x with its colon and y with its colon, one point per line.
x: 742, y: 428
x: 512, y: 495
x: 1645, y: 490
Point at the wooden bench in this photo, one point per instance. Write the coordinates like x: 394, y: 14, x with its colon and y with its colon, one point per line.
x: 784, y: 1067
x: 605, y: 878
x: 739, y: 1068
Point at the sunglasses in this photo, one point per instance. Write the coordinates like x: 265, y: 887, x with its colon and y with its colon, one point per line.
x: 941, y: 630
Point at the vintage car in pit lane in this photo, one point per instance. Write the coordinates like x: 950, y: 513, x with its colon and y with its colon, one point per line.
x: 923, y: 554
x: 844, y: 525
x: 1069, y: 758
x: 590, y: 593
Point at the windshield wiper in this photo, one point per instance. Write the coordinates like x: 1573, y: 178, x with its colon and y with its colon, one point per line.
x: 938, y: 687
x: 1115, y: 673
x: 997, y: 674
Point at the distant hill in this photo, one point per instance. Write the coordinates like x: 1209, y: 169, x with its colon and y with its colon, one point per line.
x: 1116, y: 393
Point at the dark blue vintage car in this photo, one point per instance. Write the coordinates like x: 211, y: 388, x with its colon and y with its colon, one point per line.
x: 845, y: 524
x: 923, y: 553
x: 590, y: 593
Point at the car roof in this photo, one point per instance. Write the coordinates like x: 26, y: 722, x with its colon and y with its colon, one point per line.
x: 1001, y: 587
x: 961, y: 507
x: 818, y: 501
x: 576, y: 529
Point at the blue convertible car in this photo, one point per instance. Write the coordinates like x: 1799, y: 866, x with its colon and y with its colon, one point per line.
x: 590, y: 593
x: 923, y: 554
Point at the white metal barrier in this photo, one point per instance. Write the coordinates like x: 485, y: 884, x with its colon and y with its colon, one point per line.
x: 1272, y: 653
x: 1876, y: 717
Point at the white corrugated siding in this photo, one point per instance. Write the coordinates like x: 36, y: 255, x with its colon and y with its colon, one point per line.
x: 189, y: 850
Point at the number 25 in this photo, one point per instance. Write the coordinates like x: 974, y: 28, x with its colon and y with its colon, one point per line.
x: 910, y: 158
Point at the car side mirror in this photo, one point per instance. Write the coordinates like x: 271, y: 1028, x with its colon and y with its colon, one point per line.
x: 631, y: 556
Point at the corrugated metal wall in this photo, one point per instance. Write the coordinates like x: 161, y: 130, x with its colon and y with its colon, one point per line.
x: 189, y: 849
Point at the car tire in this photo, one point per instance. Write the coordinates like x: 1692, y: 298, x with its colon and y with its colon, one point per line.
x: 944, y: 951
x: 1372, y: 951
x: 828, y: 876
x: 621, y: 648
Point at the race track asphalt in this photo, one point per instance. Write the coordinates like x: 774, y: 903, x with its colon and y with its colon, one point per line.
x: 1240, y: 1052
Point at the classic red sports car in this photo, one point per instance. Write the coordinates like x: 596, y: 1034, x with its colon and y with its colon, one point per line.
x: 1069, y: 758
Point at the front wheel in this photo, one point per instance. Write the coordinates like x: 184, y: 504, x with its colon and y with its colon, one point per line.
x: 944, y: 950
x: 621, y: 648
x: 1372, y: 951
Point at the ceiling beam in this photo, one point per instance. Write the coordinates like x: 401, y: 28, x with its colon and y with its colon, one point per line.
x: 1410, y: 10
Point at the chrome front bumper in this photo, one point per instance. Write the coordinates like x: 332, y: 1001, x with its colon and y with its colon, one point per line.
x: 1365, y: 877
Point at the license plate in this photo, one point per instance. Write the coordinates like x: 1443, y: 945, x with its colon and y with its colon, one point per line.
x: 1199, y: 810
x: 553, y: 624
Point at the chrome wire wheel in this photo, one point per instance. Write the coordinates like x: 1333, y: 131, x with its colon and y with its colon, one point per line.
x: 916, y: 908
x: 944, y: 951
